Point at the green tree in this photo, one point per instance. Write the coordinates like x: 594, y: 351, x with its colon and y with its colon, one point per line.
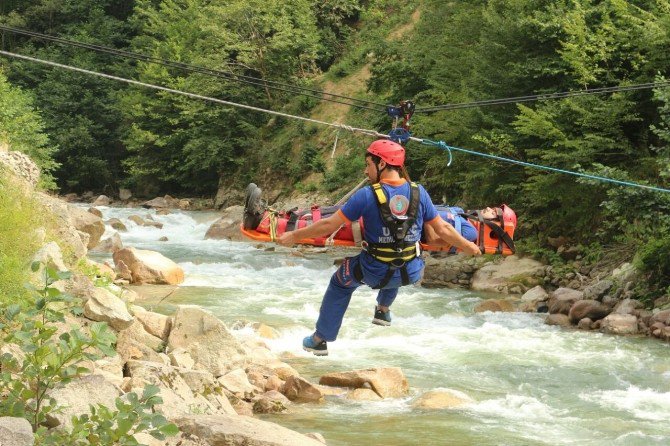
x: 22, y: 128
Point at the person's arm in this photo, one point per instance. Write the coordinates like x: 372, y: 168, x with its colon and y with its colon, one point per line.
x: 319, y: 229
x: 431, y: 238
x: 448, y: 234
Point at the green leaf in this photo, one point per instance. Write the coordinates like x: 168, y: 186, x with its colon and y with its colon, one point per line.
x: 35, y: 266
x: 169, y: 429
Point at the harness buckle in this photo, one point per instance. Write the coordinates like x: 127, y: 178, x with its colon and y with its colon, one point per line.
x: 398, y: 263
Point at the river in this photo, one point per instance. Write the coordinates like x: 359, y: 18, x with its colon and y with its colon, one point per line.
x: 531, y: 384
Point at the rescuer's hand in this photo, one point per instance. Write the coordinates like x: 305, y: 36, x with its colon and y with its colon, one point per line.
x: 472, y: 249
x: 287, y: 239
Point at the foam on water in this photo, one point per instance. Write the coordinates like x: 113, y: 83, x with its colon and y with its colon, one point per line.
x: 646, y: 404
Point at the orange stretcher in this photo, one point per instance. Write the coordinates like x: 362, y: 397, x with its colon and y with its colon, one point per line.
x: 495, y: 234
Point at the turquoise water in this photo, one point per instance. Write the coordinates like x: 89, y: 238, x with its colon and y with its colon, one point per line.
x: 531, y: 384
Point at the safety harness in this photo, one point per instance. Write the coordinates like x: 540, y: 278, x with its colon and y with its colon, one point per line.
x: 398, y: 252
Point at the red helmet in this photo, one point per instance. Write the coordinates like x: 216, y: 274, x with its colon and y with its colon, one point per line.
x: 391, y: 152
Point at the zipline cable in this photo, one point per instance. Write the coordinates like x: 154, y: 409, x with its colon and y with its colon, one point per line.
x: 212, y: 72
x: 544, y: 97
x: 440, y: 144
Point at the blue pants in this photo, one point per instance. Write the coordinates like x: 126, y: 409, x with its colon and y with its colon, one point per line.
x: 338, y: 295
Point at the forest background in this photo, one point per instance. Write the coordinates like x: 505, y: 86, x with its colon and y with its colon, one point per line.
x: 89, y: 133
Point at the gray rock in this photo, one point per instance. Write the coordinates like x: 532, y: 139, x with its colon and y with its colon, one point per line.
x: 16, y: 432
x: 228, y: 226
x: 598, y: 290
x: 125, y: 194
x: 562, y: 300
x: 77, y: 396
x: 536, y: 293
x: 621, y: 324
x: 103, y: 306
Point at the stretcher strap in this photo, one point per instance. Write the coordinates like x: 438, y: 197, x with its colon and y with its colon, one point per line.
x: 330, y: 241
x: 273, y: 226
x: 356, y: 231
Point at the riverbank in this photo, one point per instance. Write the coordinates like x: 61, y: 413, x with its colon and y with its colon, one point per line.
x: 510, y: 371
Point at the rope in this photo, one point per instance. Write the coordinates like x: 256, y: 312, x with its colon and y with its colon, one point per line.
x: 373, y: 133
x: 544, y: 97
x: 193, y: 95
x: 444, y: 146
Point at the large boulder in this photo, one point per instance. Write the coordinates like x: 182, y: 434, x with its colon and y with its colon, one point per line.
x: 16, y: 432
x: 63, y: 227
x: 149, y: 266
x: 229, y: 430
x: 77, y: 396
x: 621, y: 324
x: 88, y: 223
x: 227, y: 226
x: 563, y: 299
x: 512, y: 274
x: 207, y: 340
x: 387, y: 382
x: 178, y: 397
x: 588, y: 308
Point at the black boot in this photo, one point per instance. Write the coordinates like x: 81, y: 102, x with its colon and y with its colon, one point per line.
x: 253, y: 209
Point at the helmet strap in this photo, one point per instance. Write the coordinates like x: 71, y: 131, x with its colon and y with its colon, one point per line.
x: 379, y: 171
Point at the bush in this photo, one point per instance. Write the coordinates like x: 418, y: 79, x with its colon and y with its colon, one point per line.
x: 19, y: 216
x: 48, y: 360
x: 653, y: 259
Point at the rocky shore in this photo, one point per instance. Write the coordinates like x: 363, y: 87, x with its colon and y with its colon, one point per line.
x: 213, y: 380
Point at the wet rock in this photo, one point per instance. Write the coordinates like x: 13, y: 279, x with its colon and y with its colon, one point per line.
x: 661, y: 316
x: 495, y: 305
x: 300, y: 390
x: 271, y: 402
x: 562, y: 300
x: 536, y: 293
x: 441, y: 399
x: 363, y: 395
x: 228, y: 226
x: 590, y: 309
x: 585, y: 324
x: 621, y: 324
x: 95, y: 212
x: 558, y: 319
x: 149, y: 266
x: 102, y: 200
x: 117, y: 224
x: 387, y: 382
x: 111, y: 244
